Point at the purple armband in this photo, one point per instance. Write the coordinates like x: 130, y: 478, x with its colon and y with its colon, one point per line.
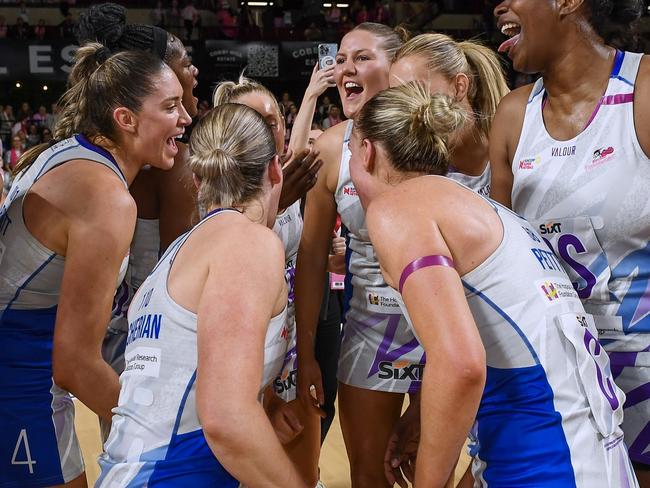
x: 423, y: 262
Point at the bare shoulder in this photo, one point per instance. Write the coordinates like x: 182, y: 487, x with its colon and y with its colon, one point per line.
x: 254, y: 241
x: 330, y: 147
x: 642, y: 103
x: 514, y: 103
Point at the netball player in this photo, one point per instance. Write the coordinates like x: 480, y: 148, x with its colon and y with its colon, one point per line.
x: 207, y: 328
x: 296, y: 427
x: 67, y: 224
x: 473, y: 76
x: 380, y: 359
x: 570, y: 154
x: 512, y: 355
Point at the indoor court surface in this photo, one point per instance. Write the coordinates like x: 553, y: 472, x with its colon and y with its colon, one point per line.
x: 335, y: 471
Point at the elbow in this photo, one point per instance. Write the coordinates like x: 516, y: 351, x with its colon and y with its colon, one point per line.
x: 63, y: 367
x: 222, y: 426
x: 470, y: 370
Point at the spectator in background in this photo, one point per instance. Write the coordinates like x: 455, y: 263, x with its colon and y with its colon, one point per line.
x: 47, y: 135
x: 21, y: 29
x: 40, y: 30
x: 23, y: 13
x: 25, y: 111
x: 333, y: 118
x: 40, y: 117
x: 313, y: 33
x: 21, y: 125
x: 33, y: 137
x: 333, y: 17
x: 362, y: 16
x: 158, y: 16
x: 52, y: 117
x: 12, y: 155
x: 7, y: 121
x: 191, y: 19
x: 381, y: 13
x: 285, y: 103
x: 324, y: 108
x: 4, y: 29
x: 175, y: 20
x: 66, y: 27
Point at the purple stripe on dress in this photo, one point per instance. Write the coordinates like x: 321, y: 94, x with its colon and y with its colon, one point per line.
x: 639, y: 446
x: 384, y: 353
x: 618, y: 99
x: 424, y: 262
x: 612, y: 444
x: 618, y: 361
x: 637, y: 395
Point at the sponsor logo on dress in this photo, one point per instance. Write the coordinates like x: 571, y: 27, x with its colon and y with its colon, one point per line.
x: 553, y: 291
x: 550, y: 228
x: 382, y: 301
x: 400, y: 370
x: 350, y: 190
x: 601, y: 156
x: 530, y: 163
x: 562, y: 152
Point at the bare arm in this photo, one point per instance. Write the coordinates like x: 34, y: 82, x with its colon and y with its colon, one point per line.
x: 320, y: 216
x: 100, y: 231
x: 504, y: 138
x: 453, y: 382
x: 319, y: 82
x: 641, y: 104
x: 231, y: 333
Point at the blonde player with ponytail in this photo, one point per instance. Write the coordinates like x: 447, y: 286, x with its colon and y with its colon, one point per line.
x: 512, y: 357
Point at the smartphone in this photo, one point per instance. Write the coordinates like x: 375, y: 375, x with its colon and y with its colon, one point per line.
x: 327, y: 55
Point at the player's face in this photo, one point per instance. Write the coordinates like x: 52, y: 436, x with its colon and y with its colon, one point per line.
x: 267, y: 108
x: 160, y: 120
x: 533, y: 31
x: 414, y: 68
x: 186, y: 73
x: 361, y: 70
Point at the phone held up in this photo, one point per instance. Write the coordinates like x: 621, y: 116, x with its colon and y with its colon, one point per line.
x: 326, y: 55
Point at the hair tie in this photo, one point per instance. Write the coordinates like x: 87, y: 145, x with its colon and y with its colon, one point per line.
x: 102, y: 54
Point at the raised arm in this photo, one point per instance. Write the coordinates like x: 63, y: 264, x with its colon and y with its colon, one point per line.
x: 319, y: 82
x: 504, y: 138
x: 101, y: 223
x: 233, y: 317
x: 454, y: 378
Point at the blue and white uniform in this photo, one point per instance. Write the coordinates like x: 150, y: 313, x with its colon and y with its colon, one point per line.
x: 156, y: 437
x: 550, y: 413
x: 480, y: 184
x: 288, y: 226
x: 378, y: 348
x: 588, y: 197
x: 38, y: 445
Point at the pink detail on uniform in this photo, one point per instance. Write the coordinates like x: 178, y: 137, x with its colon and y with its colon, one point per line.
x: 618, y: 99
x: 424, y: 262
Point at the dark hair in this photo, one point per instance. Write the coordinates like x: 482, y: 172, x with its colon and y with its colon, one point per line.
x: 616, y: 21
x: 412, y: 126
x: 106, y: 24
x: 96, y: 86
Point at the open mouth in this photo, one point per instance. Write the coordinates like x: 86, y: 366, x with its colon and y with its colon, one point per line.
x: 171, y: 142
x: 511, y: 30
x: 352, y: 89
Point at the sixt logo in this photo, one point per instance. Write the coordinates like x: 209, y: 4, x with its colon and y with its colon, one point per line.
x: 400, y: 370
x: 530, y: 163
x: 550, y: 228
x: 550, y: 291
x: 285, y: 382
x: 350, y: 190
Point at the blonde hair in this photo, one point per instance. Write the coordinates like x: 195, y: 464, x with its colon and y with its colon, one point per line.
x: 230, y: 149
x: 229, y: 91
x: 481, y: 65
x: 412, y: 126
x: 98, y: 83
x: 391, y: 39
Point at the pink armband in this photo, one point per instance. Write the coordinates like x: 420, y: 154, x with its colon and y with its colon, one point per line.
x: 423, y: 262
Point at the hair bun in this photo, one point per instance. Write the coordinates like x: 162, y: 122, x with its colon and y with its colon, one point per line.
x: 438, y: 114
x: 104, y: 23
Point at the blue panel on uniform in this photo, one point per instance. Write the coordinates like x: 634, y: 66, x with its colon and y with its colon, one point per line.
x: 190, y: 462
x: 347, y: 283
x: 25, y: 399
x: 520, y: 433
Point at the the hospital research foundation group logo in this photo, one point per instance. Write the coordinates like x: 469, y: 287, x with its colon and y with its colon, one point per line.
x: 552, y: 291
x: 530, y: 163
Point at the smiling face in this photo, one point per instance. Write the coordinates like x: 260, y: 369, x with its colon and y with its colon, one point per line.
x: 186, y: 73
x: 267, y: 108
x: 160, y: 120
x: 529, y: 26
x: 361, y: 70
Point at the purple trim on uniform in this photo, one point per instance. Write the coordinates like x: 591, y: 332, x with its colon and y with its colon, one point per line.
x: 639, y: 445
x: 637, y: 395
x: 609, y: 445
x: 384, y: 353
x: 618, y: 99
x: 620, y: 360
x: 423, y: 262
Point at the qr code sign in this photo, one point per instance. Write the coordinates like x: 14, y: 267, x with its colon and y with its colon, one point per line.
x: 262, y: 61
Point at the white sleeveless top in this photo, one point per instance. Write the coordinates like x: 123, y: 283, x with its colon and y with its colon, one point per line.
x: 156, y: 429
x: 588, y: 198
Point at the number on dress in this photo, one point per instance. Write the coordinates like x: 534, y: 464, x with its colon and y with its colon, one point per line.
x: 22, y: 438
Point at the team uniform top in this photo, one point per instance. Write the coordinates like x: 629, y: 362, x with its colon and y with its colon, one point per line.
x: 588, y: 197
x: 480, y: 184
x: 550, y: 412
x: 30, y: 281
x: 156, y: 436
x: 288, y: 226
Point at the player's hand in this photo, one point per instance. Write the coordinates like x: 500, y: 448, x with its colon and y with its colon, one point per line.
x: 310, y: 385
x: 338, y: 245
x: 300, y: 175
x: 321, y: 80
x: 402, y: 450
x: 284, y: 420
